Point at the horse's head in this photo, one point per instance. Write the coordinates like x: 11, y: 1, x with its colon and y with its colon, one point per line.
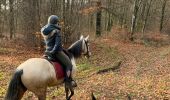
x: 80, y: 47
x: 85, y: 46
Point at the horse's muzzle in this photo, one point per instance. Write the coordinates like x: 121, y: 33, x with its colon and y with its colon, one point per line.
x: 88, y: 55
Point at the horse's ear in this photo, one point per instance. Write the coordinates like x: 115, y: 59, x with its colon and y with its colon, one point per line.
x: 87, y: 38
x: 81, y: 37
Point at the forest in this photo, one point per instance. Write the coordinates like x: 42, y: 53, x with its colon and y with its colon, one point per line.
x: 129, y: 41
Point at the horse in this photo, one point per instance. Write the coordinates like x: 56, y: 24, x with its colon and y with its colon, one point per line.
x: 36, y: 74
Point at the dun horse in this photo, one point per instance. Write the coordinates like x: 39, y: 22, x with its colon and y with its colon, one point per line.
x: 36, y: 74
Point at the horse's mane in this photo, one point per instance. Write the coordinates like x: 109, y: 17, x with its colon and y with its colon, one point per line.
x: 76, y: 48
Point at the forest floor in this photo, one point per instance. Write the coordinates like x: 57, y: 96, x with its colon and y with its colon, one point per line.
x: 117, y: 70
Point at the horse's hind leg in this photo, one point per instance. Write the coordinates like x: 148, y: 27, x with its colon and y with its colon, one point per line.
x: 22, y: 91
x: 41, y: 93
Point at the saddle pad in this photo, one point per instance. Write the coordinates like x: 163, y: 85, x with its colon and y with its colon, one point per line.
x: 59, y: 70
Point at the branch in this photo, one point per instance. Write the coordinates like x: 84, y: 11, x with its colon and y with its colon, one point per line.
x: 115, y: 67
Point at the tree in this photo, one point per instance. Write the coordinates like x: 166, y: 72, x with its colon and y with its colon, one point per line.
x: 98, y: 19
x: 11, y: 21
x: 136, y: 7
x: 162, y: 14
x: 26, y: 17
x: 0, y: 19
x: 146, y: 17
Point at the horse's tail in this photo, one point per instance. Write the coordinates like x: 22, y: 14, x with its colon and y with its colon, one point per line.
x: 16, y: 88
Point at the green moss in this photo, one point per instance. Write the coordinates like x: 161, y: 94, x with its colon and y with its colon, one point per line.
x: 2, y: 92
x: 55, y: 93
x: 7, y: 50
x: 165, y: 52
x: 83, y: 66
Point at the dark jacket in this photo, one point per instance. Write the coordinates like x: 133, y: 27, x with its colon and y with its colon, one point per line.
x: 52, y: 37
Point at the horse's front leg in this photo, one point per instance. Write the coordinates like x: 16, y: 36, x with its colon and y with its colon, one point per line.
x: 72, y: 93
x: 67, y: 91
x: 41, y: 98
x: 41, y: 93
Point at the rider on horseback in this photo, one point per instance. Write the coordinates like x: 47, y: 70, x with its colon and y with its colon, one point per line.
x: 52, y: 36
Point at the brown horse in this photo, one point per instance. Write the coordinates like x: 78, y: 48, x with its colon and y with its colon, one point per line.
x: 36, y: 74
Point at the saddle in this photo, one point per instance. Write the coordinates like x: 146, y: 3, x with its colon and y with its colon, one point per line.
x: 60, y: 70
x: 51, y: 57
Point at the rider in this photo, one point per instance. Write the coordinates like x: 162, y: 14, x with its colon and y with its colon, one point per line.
x: 52, y: 36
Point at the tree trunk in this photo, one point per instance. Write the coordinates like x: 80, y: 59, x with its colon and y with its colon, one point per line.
x: 64, y: 21
x: 98, y: 19
x: 146, y: 17
x: 0, y: 20
x: 134, y: 18
x: 109, y: 25
x: 11, y: 20
x: 162, y: 15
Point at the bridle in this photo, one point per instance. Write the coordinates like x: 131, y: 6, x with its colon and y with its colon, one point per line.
x: 88, y: 51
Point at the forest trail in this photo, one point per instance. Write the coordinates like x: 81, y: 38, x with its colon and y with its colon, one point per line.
x: 143, y: 73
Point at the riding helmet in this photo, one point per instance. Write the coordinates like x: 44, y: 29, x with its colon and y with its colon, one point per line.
x: 53, y: 19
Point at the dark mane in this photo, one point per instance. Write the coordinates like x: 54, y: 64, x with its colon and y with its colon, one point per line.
x: 76, y: 48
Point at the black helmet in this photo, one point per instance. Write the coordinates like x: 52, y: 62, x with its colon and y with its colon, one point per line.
x: 53, y: 19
